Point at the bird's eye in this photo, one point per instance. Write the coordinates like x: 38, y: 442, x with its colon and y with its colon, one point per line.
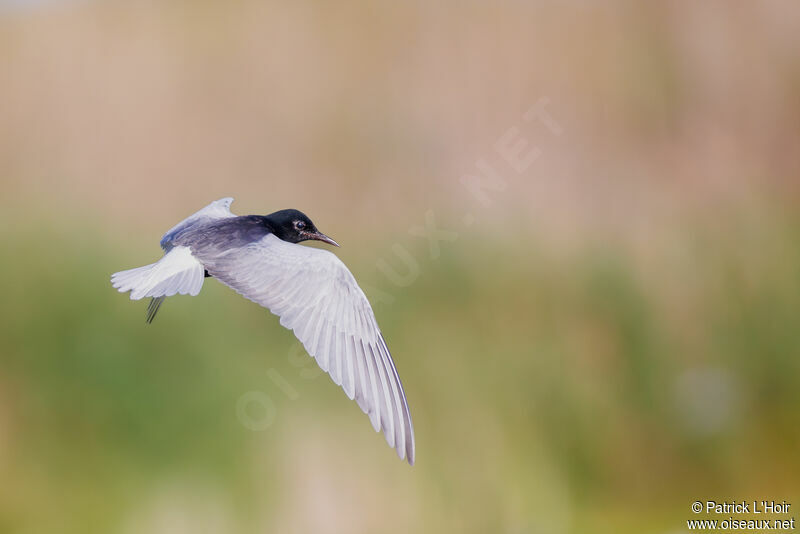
x: 299, y: 225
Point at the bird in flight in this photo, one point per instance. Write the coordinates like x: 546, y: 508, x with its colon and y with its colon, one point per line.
x: 310, y: 289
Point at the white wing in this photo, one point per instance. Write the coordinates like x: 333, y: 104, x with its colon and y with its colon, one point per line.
x: 219, y: 209
x: 317, y: 297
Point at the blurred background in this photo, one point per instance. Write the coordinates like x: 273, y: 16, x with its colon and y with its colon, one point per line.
x: 607, y: 332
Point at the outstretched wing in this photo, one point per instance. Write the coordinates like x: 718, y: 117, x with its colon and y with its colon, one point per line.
x: 317, y: 297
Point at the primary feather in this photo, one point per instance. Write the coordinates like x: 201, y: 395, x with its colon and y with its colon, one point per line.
x: 311, y: 290
x: 317, y: 298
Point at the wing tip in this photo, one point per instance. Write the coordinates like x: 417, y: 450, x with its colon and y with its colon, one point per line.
x: 406, y: 450
x: 406, y: 454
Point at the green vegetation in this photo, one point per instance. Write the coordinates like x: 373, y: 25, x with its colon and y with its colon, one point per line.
x: 616, y: 335
x: 546, y: 392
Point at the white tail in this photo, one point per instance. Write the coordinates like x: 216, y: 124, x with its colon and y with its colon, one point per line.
x: 178, y: 272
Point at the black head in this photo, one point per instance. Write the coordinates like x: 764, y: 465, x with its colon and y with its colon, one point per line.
x: 293, y: 226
